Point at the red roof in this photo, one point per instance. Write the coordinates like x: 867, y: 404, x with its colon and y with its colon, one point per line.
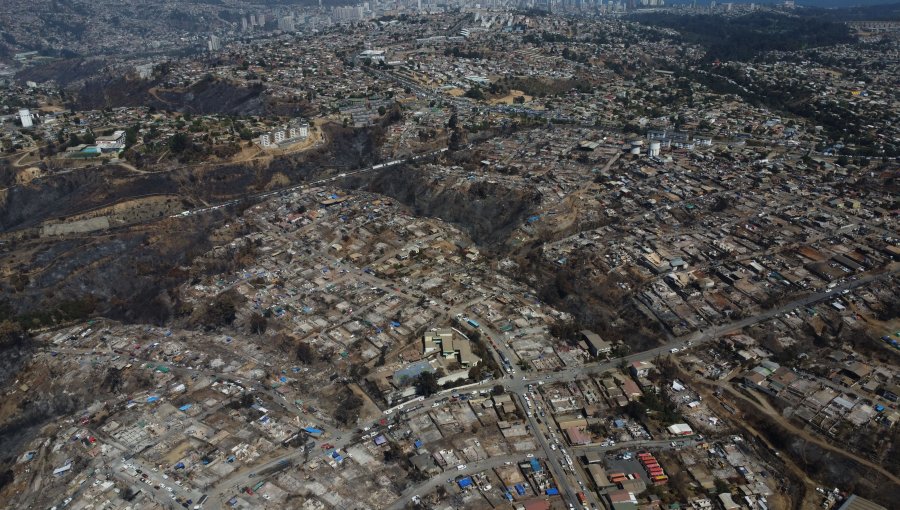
x: 619, y: 496
x: 537, y: 504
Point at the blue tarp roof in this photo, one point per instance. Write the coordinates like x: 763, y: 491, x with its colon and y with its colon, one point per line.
x: 535, y: 465
x: 552, y: 492
x: 520, y: 489
x: 184, y: 407
x: 380, y: 440
x: 418, y: 443
x: 465, y: 482
x: 152, y: 399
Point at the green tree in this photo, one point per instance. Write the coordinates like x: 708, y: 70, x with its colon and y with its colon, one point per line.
x: 179, y: 143
x: 131, y: 135
x: 475, y: 93
x: 427, y: 384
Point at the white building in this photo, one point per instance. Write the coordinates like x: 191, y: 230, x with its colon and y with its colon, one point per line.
x: 293, y: 131
x: 214, y: 44
x: 300, y: 130
x: 286, y: 23
x: 374, y: 56
x: 26, y: 118
x: 111, y: 143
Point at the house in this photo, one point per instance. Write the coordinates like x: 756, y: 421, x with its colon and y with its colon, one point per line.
x: 424, y: 463
x: 641, y: 369
x: 577, y: 436
x: 727, y: 502
x: 449, y: 344
x: 596, y: 345
x: 622, y: 500
x: 855, y: 502
x: 111, y: 143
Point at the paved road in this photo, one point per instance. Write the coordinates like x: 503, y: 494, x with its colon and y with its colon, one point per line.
x: 305, y: 185
x: 223, y: 490
x: 471, y: 468
x: 518, y: 385
x: 656, y: 444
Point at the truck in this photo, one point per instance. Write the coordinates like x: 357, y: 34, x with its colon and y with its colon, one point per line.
x: 582, y: 498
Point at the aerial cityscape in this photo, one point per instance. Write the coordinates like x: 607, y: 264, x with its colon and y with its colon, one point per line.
x: 448, y: 254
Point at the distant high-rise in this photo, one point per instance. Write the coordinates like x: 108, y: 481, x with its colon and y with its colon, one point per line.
x: 286, y: 23
x: 26, y: 118
x: 244, y: 24
x: 214, y: 43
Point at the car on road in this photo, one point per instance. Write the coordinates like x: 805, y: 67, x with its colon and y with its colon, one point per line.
x: 460, y: 467
x: 674, y: 350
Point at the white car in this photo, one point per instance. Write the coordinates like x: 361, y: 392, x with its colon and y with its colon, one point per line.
x: 674, y: 350
x: 460, y: 467
x: 530, y: 456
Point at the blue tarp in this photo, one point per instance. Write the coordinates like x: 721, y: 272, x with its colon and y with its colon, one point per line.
x: 508, y: 496
x: 152, y: 399
x: 552, y: 492
x: 180, y: 465
x: 535, y: 465
x: 395, y: 324
x: 312, y: 431
x: 380, y: 440
x: 465, y: 482
x: 184, y: 407
x: 418, y: 443
x: 520, y: 489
